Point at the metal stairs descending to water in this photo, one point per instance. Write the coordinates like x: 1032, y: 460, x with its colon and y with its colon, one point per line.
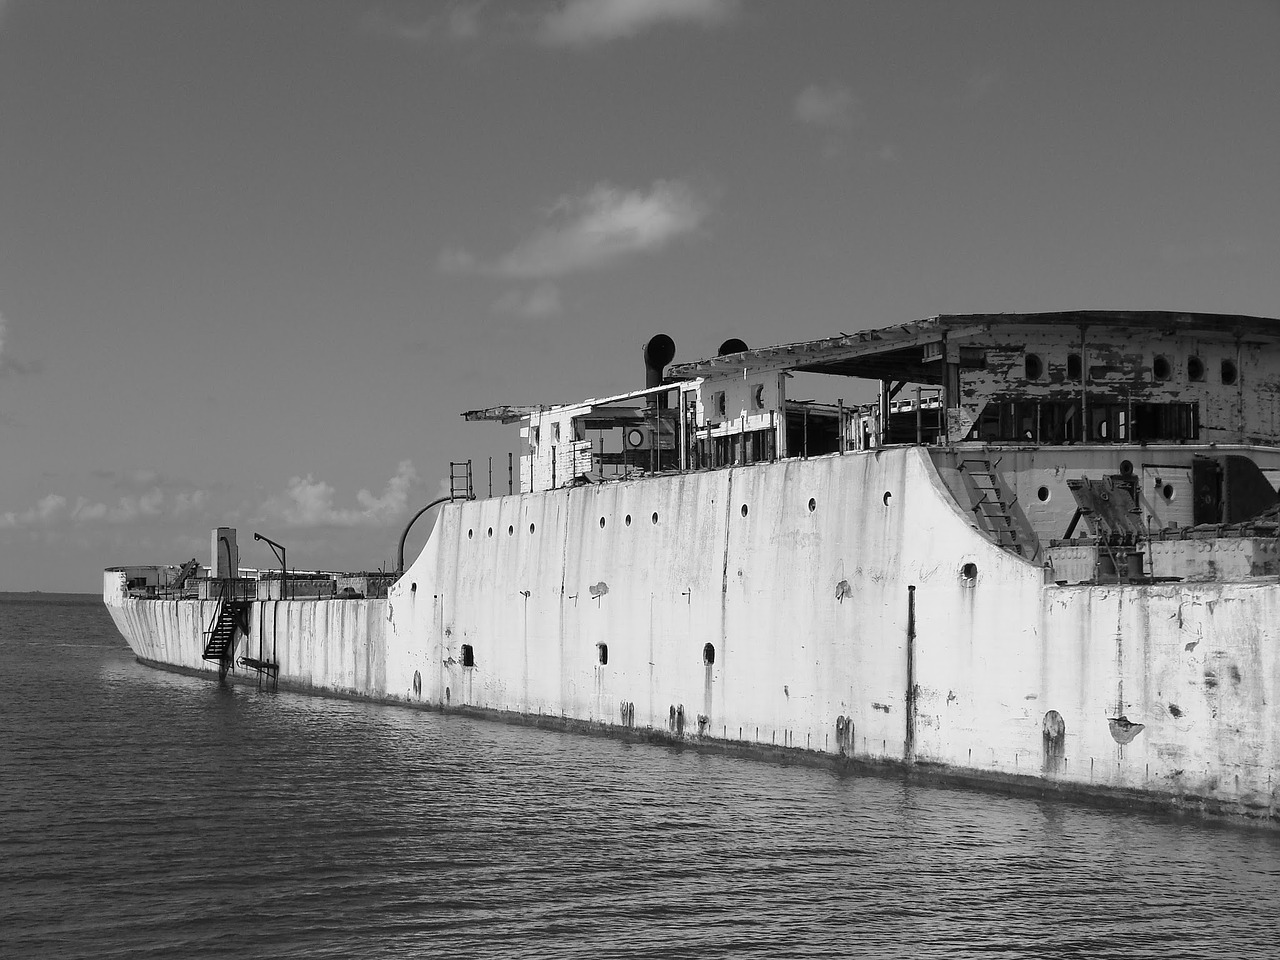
x: 989, y: 503
x: 220, y: 638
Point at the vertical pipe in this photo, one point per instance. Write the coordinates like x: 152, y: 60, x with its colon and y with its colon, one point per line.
x: 804, y: 444
x: 1085, y: 432
x: 843, y: 433
x: 684, y: 432
x: 491, y: 476
x: 510, y: 472
x: 909, y: 745
x: 919, y: 420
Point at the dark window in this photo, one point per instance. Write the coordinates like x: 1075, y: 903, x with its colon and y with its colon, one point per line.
x: 1162, y: 368
x: 708, y: 654
x: 1035, y: 366
x: 1228, y: 372
x: 1195, y: 369
x: 468, y: 655
x: 602, y: 652
x: 1075, y: 368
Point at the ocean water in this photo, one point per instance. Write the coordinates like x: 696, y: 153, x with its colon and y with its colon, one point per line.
x: 146, y: 814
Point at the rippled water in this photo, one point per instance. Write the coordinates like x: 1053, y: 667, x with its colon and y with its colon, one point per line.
x: 148, y: 814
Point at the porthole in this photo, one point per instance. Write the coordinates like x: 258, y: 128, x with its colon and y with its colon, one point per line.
x: 1228, y: 372
x: 413, y: 588
x: 744, y: 509
x: 628, y: 520
x: 654, y: 518
x: 511, y: 530
x: 602, y: 523
x: 1075, y: 367
x: 491, y: 531
x: 813, y: 504
x: 1167, y: 492
x: 969, y: 571
x: 1126, y: 468
x: 1195, y: 369
x: 470, y: 534
x: 1043, y: 494
x: 1161, y: 368
x: 1035, y: 366
x: 758, y: 396
x: 531, y: 528
x: 887, y: 497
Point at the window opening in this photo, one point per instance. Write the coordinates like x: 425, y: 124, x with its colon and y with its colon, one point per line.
x: 468, y: 656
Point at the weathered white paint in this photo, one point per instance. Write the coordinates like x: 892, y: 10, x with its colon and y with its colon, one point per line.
x: 807, y: 611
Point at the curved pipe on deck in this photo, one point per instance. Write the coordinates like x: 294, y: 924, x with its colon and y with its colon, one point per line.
x: 405, y: 536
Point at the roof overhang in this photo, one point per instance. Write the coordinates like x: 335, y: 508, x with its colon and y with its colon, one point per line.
x: 910, y: 351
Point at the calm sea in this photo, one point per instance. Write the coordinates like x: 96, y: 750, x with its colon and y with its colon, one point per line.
x: 144, y: 814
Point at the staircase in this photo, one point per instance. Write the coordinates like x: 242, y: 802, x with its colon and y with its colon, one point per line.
x: 220, y: 637
x: 989, y: 503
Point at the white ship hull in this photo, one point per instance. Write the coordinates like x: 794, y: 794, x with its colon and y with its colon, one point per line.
x: 842, y: 607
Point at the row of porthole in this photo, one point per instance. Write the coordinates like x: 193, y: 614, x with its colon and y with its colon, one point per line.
x: 1161, y: 368
x: 653, y: 518
x: 1167, y: 491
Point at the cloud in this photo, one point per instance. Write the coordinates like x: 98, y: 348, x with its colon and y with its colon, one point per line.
x: 10, y: 364
x: 583, y: 22
x: 151, y: 505
x: 832, y: 107
x: 307, y: 502
x: 598, y: 228
x: 48, y: 510
x: 537, y: 304
x: 458, y: 22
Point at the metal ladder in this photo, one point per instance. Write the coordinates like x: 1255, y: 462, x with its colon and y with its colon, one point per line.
x: 460, y: 480
x: 990, y: 503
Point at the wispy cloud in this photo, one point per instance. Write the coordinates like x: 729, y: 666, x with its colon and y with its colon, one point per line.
x: 155, y: 504
x: 980, y: 84
x: 560, y: 23
x: 457, y: 22
x: 596, y: 229
x: 538, y: 303
x: 585, y: 22
x: 308, y: 502
x: 9, y: 364
x: 831, y: 106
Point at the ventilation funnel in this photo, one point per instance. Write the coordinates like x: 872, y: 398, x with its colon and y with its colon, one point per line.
x: 658, y: 352
x: 732, y: 345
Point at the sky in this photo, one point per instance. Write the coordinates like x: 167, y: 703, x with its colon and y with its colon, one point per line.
x: 256, y: 258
